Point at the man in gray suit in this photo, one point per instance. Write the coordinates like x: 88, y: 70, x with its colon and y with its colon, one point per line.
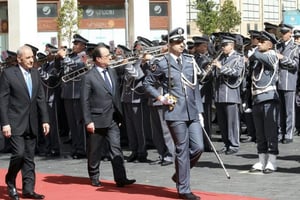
x: 100, y: 101
x: 177, y: 74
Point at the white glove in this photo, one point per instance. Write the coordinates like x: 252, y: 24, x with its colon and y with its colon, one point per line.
x: 165, y: 100
x: 201, y: 119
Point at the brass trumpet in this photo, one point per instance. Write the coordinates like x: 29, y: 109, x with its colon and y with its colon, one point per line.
x: 76, y: 74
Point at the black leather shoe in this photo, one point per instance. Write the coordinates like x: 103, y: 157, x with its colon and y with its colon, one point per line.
x: 33, y: 195
x: 230, y: 152
x: 287, y: 141
x: 132, y: 157
x: 12, y: 193
x: 96, y: 183
x: 174, y: 178
x: 248, y: 139
x: 189, y: 196
x: 125, y: 182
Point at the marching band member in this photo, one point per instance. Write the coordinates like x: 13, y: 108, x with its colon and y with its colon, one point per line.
x: 229, y: 73
x: 71, y: 94
x: 265, y: 100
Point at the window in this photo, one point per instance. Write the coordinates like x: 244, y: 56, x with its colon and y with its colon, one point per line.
x: 250, y: 10
x: 271, y: 10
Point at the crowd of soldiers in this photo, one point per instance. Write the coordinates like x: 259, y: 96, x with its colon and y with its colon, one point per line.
x: 237, y: 79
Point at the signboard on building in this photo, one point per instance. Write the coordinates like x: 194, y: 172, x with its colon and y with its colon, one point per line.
x: 291, y: 17
x: 158, y: 9
x: 47, y: 10
x: 103, y: 12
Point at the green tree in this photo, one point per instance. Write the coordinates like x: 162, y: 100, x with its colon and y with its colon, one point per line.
x: 68, y: 20
x: 207, y: 18
x: 229, y: 17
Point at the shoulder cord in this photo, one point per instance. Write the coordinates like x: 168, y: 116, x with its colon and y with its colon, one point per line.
x: 274, y: 63
x: 197, y: 71
x: 239, y: 81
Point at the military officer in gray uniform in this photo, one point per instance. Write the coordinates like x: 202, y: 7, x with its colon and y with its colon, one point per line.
x: 229, y: 74
x: 177, y: 74
x: 70, y: 94
x: 288, y: 73
x: 265, y: 100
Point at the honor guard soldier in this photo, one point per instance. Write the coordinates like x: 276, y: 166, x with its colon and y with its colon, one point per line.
x: 265, y: 100
x: 229, y: 74
x: 288, y: 73
x: 177, y: 74
x: 71, y: 94
x: 203, y: 59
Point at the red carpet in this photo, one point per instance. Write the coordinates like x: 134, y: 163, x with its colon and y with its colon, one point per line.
x: 57, y: 187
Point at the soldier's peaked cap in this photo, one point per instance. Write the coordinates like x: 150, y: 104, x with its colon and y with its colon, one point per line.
x: 270, y: 26
x: 176, y: 34
x: 264, y: 35
x: 11, y: 53
x: 200, y: 40
x: 254, y: 33
x: 124, y: 48
x: 228, y: 39
x: 41, y: 56
x: 79, y: 38
x: 50, y: 46
x: 285, y: 28
x: 144, y: 41
x: 297, y: 33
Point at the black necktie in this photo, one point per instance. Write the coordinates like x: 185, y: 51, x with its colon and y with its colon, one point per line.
x: 179, y: 62
x: 106, y: 80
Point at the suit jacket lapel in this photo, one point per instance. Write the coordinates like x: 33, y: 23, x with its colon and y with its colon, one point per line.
x: 20, y: 77
x: 99, y: 77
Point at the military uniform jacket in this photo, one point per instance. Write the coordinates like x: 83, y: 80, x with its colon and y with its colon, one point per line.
x: 133, y: 89
x: 207, y: 84
x: 189, y: 103
x: 50, y: 80
x: 71, y: 89
x: 288, y: 66
x: 228, y: 78
x: 264, y: 76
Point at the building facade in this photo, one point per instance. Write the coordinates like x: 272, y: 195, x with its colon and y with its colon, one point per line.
x: 108, y: 21
x: 121, y: 21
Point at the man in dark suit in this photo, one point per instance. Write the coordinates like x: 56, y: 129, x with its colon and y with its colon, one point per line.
x: 22, y: 98
x: 100, y: 101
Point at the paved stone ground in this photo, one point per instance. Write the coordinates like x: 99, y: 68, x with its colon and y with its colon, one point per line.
x: 206, y: 176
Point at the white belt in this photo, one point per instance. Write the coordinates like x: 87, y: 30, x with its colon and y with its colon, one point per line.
x: 263, y: 90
